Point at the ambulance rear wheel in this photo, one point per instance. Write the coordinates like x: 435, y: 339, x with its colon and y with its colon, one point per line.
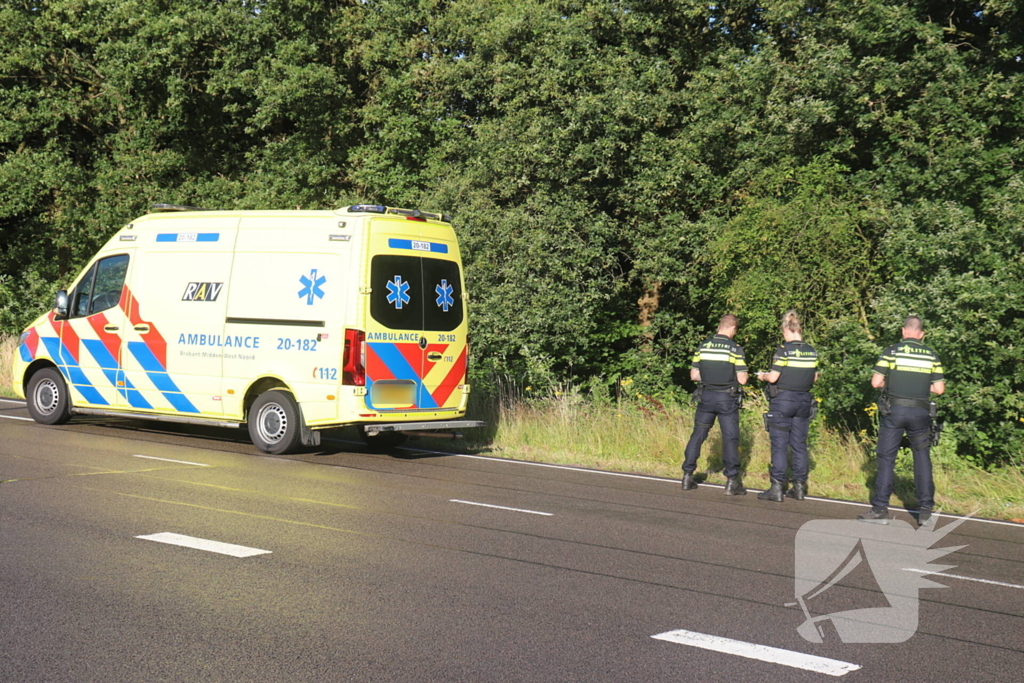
x: 48, y: 401
x: 274, y: 423
x: 382, y: 441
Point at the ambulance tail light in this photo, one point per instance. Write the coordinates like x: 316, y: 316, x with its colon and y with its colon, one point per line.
x: 353, y: 370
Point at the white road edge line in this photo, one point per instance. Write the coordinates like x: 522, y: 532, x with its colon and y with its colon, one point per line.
x: 204, y: 544
x: 663, y: 479
x: 501, y: 507
x: 563, y: 467
x: 180, y: 462
x: 5, y: 400
x: 939, y: 575
x: 774, y: 655
x: 15, y: 417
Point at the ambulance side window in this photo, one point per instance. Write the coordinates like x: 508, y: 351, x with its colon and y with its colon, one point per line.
x: 79, y: 299
x: 101, y: 288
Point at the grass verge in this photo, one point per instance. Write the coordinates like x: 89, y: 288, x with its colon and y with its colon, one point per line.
x: 649, y: 437
x: 8, y: 348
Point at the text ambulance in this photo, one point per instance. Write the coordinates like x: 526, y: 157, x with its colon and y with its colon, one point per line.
x: 289, y: 321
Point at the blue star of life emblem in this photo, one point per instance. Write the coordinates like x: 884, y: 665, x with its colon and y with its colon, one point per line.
x: 311, y: 287
x: 398, y: 292
x: 444, y: 295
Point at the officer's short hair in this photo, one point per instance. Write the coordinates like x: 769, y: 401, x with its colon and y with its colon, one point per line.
x: 728, y: 320
x: 913, y: 323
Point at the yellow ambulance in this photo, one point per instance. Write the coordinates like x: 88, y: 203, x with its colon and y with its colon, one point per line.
x: 290, y: 322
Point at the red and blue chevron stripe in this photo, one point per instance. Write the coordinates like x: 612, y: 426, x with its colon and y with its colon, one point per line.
x: 388, y: 361
x: 150, y: 353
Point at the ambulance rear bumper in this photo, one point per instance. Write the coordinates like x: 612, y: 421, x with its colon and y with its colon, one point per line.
x: 443, y: 425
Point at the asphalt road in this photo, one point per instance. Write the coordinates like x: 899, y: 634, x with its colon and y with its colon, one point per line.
x: 392, y: 568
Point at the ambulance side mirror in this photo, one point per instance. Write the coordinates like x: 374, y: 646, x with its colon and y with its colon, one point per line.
x: 62, y: 303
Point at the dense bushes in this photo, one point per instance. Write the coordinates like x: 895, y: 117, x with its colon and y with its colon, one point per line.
x: 621, y: 173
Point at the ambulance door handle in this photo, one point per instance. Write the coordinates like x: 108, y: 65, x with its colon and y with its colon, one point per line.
x: 141, y: 328
x: 110, y: 328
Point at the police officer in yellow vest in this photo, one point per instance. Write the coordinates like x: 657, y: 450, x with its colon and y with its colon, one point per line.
x: 793, y: 373
x: 719, y: 366
x: 907, y: 373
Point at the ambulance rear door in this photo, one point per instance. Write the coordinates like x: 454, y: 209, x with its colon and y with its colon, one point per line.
x: 416, y: 341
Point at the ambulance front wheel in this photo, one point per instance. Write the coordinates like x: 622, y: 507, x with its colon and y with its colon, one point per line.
x: 274, y: 423
x: 48, y: 401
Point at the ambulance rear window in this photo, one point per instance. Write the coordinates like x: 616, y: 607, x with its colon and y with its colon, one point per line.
x: 415, y: 293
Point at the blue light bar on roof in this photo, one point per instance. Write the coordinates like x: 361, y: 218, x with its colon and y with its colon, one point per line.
x: 414, y: 214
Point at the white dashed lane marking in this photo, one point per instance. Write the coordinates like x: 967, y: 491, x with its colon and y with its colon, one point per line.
x: 774, y: 655
x: 500, y: 507
x: 180, y: 462
x: 204, y: 544
x: 941, y: 575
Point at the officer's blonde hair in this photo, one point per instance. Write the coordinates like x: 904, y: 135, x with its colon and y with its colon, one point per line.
x: 791, y: 322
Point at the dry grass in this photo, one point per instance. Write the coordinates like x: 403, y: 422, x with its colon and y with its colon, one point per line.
x: 8, y: 349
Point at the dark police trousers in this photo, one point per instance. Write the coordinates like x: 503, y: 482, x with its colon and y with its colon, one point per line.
x: 917, y: 424
x: 723, y: 406
x: 788, y: 419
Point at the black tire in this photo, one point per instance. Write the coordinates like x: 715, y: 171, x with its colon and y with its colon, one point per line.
x: 48, y: 400
x: 274, y: 423
x: 382, y: 442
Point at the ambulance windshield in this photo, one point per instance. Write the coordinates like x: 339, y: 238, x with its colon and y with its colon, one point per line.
x: 415, y: 293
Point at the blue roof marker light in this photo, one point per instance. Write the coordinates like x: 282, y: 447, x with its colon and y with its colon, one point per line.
x: 367, y: 208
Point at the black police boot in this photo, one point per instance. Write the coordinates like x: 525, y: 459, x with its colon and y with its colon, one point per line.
x: 874, y: 516
x: 774, y: 493
x: 798, y: 491
x: 924, y: 518
x: 734, y: 486
x: 688, y: 483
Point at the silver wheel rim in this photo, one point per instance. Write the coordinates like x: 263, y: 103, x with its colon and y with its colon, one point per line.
x: 46, y: 396
x: 272, y: 423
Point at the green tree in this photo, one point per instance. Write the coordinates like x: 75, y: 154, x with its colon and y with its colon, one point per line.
x: 621, y: 172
